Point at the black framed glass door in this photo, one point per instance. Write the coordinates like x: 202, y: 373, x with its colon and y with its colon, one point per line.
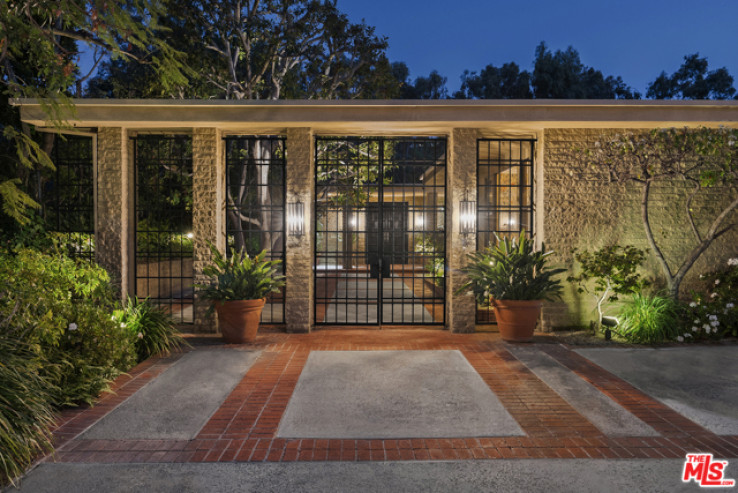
x: 380, y: 231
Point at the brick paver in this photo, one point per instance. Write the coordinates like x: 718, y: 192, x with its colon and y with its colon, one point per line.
x: 244, y: 427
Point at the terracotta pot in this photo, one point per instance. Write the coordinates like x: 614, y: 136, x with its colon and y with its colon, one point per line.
x: 517, y: 319
x: 239, y: 320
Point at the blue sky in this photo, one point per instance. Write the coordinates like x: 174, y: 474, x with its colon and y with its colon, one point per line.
x: 633, y: 39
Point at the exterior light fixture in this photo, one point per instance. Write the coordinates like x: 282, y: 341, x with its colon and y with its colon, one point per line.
x: 296, y: 218
x: 468, y: 217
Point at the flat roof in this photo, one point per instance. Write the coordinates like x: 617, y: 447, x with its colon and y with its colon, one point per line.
x: 387, y: 116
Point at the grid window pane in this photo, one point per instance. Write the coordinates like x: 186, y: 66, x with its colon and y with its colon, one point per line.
x: 504, y: 195
x: 163, y: 229
x: 67, y: 195
x: 255, y: 205
x: 380, y: 231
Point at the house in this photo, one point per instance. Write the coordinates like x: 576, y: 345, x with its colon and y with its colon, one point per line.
x: 372, y: 205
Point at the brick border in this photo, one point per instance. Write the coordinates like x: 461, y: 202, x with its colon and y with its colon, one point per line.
x: 244, y: 428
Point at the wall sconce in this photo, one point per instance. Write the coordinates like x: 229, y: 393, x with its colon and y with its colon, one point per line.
x: 468, y: 217
x: 295, y: 218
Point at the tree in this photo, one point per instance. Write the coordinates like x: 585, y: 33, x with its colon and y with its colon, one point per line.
x: 693, y: 81
x: 704, y: 159
x: 39, y: 59
x: 506, y: 82
x: 562, y: 75
x: 613, y: 269
x: 431, y: 87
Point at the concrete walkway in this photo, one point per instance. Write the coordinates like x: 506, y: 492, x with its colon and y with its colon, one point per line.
x: 556, y: 421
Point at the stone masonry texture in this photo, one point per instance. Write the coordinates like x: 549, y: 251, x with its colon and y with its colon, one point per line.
x: 300, y: 170
x: 462, y: 184
x: 208, y: 209
x: 582, y: 210
x: 111, y: 229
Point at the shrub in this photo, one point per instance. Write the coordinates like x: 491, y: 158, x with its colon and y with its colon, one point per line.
x: 649, y: 319
x: 613, y: 269
x: 62, y: 309
x: 712, y: 314
x: 25, y: 407
x: 151, y: 327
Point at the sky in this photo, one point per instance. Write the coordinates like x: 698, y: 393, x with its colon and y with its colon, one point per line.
x: 633, y: 39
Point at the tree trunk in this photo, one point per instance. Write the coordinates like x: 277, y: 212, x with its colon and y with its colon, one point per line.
x: 652, y: 242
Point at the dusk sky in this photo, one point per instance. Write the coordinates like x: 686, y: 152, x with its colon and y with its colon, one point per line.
x: 629, y: 38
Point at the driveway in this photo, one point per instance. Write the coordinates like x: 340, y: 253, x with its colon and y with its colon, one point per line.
x: 325, y: 412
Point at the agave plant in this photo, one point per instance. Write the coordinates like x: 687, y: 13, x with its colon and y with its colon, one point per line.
x: 240, y: 277
x: 511, y: 270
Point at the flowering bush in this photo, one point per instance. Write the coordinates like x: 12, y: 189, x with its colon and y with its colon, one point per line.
x: 712, y: 314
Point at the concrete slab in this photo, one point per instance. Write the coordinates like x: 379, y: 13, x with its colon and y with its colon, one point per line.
x: 607, y: 415
x: 393, y: 394
x: 570, y: 475
x: 698, y: 382
x: 178, y: 403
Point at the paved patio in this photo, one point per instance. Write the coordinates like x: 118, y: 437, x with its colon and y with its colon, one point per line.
x: 245, y: 425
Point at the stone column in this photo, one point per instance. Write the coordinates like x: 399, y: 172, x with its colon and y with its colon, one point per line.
x: 208, y: 210
x: 114, y: 207
x: 300, y: 177
x: 461, y: 185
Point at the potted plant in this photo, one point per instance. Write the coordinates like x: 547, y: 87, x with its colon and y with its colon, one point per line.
x: 238, y: 288
x: 513, y: 276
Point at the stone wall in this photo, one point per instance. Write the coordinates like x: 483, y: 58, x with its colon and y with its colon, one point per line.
x: 581, y: 210
x: 461, y: 185
x: 208, y: 210
x: 300, y: 173
x: 113, y: 206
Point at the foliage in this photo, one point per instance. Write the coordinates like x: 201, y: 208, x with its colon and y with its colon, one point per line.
x: 649, y: 319
x: 511, y: 270
x: 613, y: 269
x: 240, y: 277
x: 436, y: 267
x: 431, y: 87
x: 712, y: 314
x: 561, y: 75
x: 265, y: 50
x: 153, y: 329
x: 25, y: 407
x: 62, y: 309
x: 693, y: 81
x: 705, y: 159
x: 506, y: 82
x: 39, y: 58
x: 557, y: 75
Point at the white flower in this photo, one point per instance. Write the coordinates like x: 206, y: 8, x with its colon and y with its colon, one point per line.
x: 707, y: 330
x: 687, y: 334
x: 713, y: 295
x: 122, y: 325
x: 729, y: 305
x: 693, y: 304
x: 706, y: 327
x: 72, y: 326
x: 680, y: 338
x: 717, y: 281
x: 140, y: 335
x: 695, y: 329
x: 733, y: 261
x: 696, y: 321
x: 714, y: 323
x: 712, y: 317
